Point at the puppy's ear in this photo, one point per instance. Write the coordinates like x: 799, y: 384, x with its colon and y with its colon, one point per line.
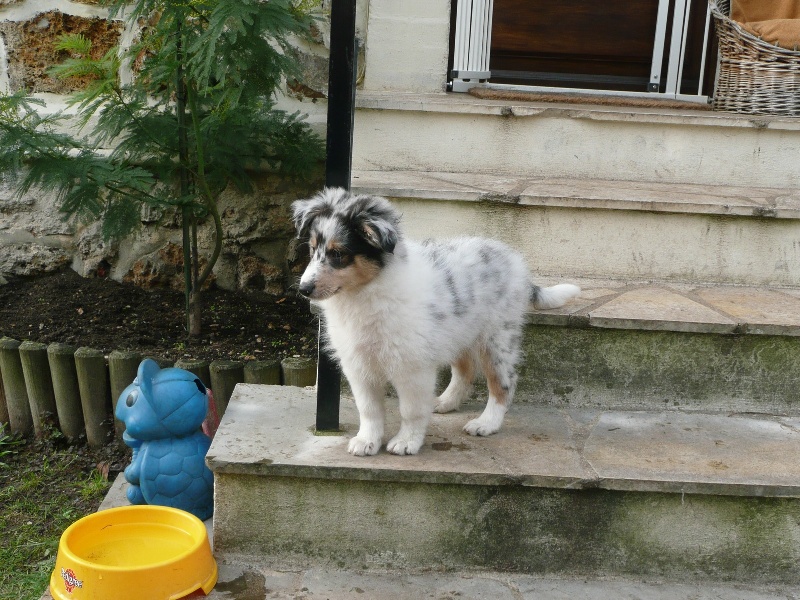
x: 305, y: 211
x: 377, y: 221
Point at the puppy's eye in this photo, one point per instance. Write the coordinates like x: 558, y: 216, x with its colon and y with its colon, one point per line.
x: 338, y: 259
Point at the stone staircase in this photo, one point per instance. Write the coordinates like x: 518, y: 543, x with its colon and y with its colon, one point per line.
x: 655, y: 436
x: 617, y: 474
x: 563, y: 492
x: 656, y: 432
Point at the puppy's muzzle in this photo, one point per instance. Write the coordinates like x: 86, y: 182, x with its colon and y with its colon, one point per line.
x: 307, y: 288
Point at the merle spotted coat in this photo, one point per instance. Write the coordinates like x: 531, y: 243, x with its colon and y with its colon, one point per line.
x: 396, y: 310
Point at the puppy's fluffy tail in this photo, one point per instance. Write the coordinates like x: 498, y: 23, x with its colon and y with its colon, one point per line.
x: 554, y: 296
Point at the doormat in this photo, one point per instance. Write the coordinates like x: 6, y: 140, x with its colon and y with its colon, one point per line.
x: 574, y: 98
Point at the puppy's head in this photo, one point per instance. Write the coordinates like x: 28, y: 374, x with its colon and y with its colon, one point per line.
x: 350, y: 239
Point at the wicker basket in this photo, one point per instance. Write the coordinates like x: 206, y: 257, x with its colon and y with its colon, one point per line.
x: 753, y: 77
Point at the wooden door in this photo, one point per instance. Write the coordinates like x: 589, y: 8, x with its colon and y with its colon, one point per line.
x: 588, y: 44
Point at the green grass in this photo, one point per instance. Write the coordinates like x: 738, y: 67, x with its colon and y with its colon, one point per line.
x: 43, y: 489
x: 8, y: 444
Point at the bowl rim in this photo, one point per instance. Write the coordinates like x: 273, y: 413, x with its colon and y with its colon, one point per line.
x: 197, y: 544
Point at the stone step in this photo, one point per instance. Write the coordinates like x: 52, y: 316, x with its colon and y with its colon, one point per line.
x: 619, y: 229
x: 255, y: 577
x: 557, y: 492
x: 458, y: 133
x: 641, y: 345
x: 591, y: 193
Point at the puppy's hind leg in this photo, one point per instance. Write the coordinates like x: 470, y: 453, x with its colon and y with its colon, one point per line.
x: 415, y: 390
x: 369, y: 398
x: 460, y: 386
x: 499, y: 366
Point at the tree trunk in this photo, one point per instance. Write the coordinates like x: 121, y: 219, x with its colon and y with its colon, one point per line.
x: 195, y: 312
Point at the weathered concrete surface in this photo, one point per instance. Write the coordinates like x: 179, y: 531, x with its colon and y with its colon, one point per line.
x: 634, y: 369
x: 627, y: 245
x: 405, y: 130
x: 240, y: 581
x: 651, y: 196
x: 665, y: 345
x: 659, y: 451
x: 689, y: 452
x: 656, y: 309
x: 765, y: 311
x: 420, y: 63
x: 543, y: 496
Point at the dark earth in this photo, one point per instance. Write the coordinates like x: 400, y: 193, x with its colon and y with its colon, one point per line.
x: 104, y: 314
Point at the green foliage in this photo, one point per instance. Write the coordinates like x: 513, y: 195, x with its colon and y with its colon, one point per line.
x: 223, y: 60
x: 233, y: 55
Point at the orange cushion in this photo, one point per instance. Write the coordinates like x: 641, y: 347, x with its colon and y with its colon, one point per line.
x: 751, y: 11
x: 779, y: 32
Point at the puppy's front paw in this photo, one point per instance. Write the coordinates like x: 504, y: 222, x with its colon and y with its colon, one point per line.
x: 402, y: 445
x: 359, y: 446
x: 481, y: 426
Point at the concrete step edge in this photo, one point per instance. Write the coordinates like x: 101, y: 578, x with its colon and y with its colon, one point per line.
x: 676, y: 306
x: 644, y: 451
x: 470, y: 105
x: 585, y: 194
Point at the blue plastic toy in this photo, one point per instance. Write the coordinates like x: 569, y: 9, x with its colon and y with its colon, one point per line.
x: 163, y: 410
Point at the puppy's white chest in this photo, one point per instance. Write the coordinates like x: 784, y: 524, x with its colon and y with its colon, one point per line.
x: 375, y: 337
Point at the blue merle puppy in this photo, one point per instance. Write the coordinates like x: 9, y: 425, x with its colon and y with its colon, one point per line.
x: 395, y: 310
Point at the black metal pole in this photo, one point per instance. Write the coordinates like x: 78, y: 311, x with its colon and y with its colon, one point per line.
x: 338, y: 165
x: 341, y: 94
x: 183, y: 160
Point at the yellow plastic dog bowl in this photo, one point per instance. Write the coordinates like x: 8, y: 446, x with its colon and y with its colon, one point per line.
x: 134, y: 552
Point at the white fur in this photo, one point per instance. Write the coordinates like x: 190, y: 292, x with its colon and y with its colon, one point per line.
x: 556, y: 296
x: 460, y: 302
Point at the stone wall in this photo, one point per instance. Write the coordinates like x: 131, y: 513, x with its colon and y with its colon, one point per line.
x: 259, y: 249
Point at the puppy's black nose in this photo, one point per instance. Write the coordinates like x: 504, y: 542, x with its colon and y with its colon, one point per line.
x: 307, y: 288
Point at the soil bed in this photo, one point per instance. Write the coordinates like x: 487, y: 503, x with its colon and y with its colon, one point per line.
x: 107, y: 315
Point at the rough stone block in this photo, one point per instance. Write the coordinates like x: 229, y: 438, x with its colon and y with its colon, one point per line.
x: 31, y: 259
x: 30, y: 46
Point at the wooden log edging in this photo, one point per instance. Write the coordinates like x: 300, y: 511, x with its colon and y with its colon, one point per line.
x: 95, y: 395
x: 79, y: 388
x: 225, y: 374
x: 266, y: 372
x: 122, y: 368
x: 39, y: 385
x: 61, y: 358
x: 19, y: 409
x: 300, y: 372
x: 200, y: 368
x: 4, y: 421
